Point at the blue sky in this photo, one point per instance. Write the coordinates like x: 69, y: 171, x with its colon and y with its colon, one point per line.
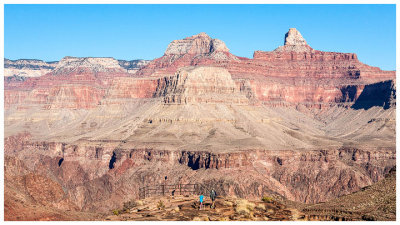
x: 50, y: 32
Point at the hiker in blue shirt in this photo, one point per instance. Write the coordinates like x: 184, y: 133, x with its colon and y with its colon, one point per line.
x: 201, y: 201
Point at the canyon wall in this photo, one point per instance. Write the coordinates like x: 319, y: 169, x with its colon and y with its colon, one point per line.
x: 92, y: 175
x: 303, y: 124
x: 292, y: 74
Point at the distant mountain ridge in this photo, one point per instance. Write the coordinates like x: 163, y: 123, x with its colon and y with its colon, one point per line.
x: 36, y: 67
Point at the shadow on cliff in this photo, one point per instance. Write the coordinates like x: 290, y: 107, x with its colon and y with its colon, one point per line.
x: 382, y: 94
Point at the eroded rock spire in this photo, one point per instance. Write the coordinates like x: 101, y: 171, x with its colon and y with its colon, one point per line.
x: 294, y: 41
x: 293, y: 37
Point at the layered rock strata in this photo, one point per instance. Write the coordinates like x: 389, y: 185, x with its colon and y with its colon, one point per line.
x: 293, y: 74
x: 296, y: 122
x: 73, y: 83
x: 199, y: 84
x: 296, y: 175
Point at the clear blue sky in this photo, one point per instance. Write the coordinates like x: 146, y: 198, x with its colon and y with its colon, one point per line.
x: 50, y: 32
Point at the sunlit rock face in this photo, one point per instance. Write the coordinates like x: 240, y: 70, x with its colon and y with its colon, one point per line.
x: 294, y: 42
x: 196, y: 44
x: 23, y: 68
x: 200, y: 84
x: 304, y: 124
x: 198, y: 49
x: 70, y: 64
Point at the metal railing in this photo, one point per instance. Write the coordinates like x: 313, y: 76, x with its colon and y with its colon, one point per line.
x: 170, y: 190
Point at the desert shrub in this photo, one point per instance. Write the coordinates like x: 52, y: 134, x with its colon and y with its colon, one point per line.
x: 242, y: 210
x: 129, y: 205
x: 260, y: 207
x: 250, y: 215
x: 267, y: 199
x: 368, y: 218
x: 202, y: 218
x: 115, y: 212
x: 245, y: 203
x: 161, y: 205
x: 139, y: 202
x: 227, y: 203
x: 270, y: 211
x: 251, y: 206
x: 244, y: 207
x: 224, y: 218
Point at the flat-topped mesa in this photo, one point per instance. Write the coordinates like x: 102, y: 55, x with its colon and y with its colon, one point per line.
x: 95, y: 64
x: 199, y: 84
x: 29, y: 63
x: 195, y: 45
x: 27, y: 67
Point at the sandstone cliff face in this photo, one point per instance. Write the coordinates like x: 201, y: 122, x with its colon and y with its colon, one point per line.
x: 199, y: 84
x: 128, y: 87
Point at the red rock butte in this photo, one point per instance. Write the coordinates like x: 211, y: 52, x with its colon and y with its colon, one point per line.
x: 300, y: 123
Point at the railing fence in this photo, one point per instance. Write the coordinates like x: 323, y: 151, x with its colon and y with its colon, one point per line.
x: 171, y: 190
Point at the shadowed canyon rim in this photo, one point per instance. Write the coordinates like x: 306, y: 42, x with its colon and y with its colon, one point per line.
x: 82, y: 135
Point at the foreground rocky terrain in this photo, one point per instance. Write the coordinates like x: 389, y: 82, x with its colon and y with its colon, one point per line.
x: 372, y: 203
x: 29, y: 196
x: 303, y: 124
x: 186, y: 208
